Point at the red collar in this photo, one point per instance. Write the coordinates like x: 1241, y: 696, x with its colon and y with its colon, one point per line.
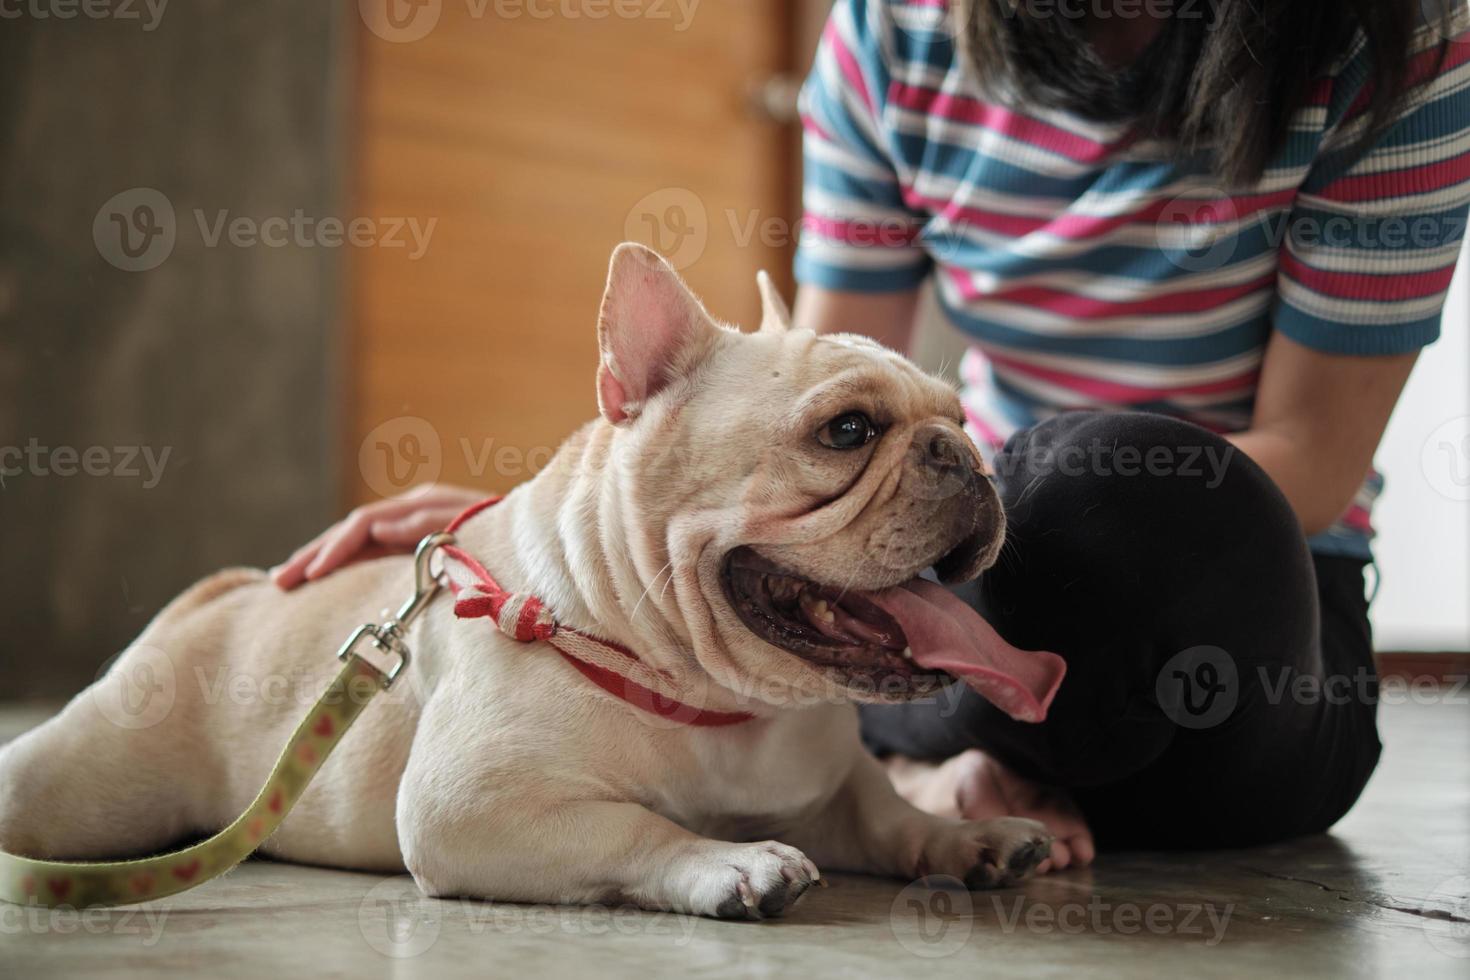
x: 615, y: 669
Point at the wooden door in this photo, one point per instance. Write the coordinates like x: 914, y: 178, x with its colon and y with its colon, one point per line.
x: 536, y: 136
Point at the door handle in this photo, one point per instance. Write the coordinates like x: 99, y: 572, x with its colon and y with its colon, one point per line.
x: 774, y: 99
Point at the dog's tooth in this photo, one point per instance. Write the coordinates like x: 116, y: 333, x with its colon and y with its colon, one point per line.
x: 908, y: 653
x: 816, y: 610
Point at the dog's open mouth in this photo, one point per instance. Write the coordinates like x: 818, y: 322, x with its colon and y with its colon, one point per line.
x: 827, y: 626
x: 900, y: 642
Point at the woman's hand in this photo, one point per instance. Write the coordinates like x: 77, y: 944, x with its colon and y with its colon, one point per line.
x: 384, y: 527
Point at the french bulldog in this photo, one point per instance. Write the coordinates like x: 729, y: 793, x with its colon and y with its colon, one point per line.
x: 749, y: 518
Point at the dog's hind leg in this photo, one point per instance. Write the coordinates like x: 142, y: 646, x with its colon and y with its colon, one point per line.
x: 108, y: 776
x: 118, y: 772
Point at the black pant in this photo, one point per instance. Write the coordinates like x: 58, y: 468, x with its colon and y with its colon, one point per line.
x: 1220, y: 687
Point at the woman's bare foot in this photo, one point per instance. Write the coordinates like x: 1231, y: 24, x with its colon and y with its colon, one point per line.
x: 976, y: 787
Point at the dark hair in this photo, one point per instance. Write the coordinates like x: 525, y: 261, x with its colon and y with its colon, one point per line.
x: 1222, y: 74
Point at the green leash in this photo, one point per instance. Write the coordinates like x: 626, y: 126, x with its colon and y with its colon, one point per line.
x: 79, y: 884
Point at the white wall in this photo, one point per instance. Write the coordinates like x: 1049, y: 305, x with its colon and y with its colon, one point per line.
x: 1423, y: 518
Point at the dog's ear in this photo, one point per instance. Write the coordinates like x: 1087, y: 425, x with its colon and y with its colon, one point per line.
x: 652, y: 331
x: 775, y: 317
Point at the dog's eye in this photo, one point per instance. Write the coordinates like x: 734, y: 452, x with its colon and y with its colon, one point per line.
x: 850, y: 430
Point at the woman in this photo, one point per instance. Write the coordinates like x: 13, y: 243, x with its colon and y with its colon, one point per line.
x: 1197, y: 249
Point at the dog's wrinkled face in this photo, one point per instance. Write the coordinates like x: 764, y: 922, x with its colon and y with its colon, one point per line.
x: 787, y: 479
x: 868, y: 479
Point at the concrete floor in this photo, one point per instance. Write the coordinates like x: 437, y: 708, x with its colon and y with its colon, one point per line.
x: 1386, y: 895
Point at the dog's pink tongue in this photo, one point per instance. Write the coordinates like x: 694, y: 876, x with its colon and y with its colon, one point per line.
x: 944, y: 633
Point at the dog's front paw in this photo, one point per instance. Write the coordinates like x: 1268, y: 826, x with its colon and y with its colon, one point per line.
x: 987, y: 853
x: 749, y: 881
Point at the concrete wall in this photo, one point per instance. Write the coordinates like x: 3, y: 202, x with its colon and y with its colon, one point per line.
x: 185, y: 386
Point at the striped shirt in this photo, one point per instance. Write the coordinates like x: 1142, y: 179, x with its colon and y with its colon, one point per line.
x: 1093, y: 270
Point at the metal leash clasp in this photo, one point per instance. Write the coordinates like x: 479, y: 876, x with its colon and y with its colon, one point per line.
x: 388, y: 637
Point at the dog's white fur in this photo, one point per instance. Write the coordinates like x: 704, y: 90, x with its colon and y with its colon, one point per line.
x: 494, y: 769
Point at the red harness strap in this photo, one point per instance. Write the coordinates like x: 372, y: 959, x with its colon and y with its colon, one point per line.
x: 615, y: 669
